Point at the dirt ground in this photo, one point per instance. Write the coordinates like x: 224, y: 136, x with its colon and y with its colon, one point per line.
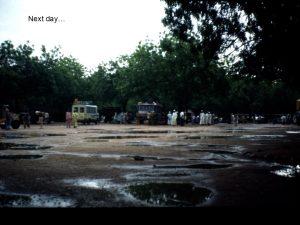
x: 108, y: 165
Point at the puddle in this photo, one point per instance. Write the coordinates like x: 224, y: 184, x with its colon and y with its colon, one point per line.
x: 11, y: 136
x: 194, y: 166
x: 235, y: 130
x: 205, y: 137
x: 13, y: 200
x: 90, y: 183
x: 170, y: 194
x: 15, y: 136
x: 158, y: 144
x: 12, y: 146
x: 262, y: 137
x: 293, y: 132
x: 142, y: 158
x: 98, y: 140
x: 24, y: 200
x: 286, y: 171
x: 29, y: 147
x: 53, y: 135
x: 155, y: 174
x: 160, y: 132
x: 120, y: 137
x: 4, y: 146
x: 213, y: 151
x: 85, y: 155
x: 46, y: 135
x: 147, y: 131
x: 15, y: 157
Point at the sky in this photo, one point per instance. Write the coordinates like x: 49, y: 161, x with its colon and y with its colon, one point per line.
x: 92, y: 31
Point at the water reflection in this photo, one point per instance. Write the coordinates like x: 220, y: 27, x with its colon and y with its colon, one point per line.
x: 170, y: 194
x: 287, y: 171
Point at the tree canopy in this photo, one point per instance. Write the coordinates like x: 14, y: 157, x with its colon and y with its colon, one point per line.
x: 264, y: 32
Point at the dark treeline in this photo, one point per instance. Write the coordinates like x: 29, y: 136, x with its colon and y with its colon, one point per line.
x: 171, y: 73
x: 189, y: 69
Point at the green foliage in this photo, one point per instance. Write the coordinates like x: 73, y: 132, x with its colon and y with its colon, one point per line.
x: 176, y: 73
x: 48, y: 83
x: 264, y: 33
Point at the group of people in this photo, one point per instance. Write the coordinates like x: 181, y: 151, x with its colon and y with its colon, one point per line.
x: 176, y: 118
x: 204, y: 118
x: 71, y: 117
x: 43, y: 118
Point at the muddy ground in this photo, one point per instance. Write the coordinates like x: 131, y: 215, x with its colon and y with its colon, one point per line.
x: 106, y: 165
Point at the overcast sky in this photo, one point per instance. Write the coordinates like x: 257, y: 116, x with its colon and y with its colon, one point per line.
x: 93, y: 31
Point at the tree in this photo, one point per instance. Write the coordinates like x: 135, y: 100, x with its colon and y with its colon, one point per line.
x: 101, y: 88
x: 265, y: 33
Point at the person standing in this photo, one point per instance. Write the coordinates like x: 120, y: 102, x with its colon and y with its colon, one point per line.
x: 174, y: 118
x: 169, y: 118
x: 182, y: 118
x: 68, y: 119
x: 40, y: 118
x: 75, y: 119
x: 202, y: 117
x: 26, y: 120
x: 47, y: 118
x: 8, y: 119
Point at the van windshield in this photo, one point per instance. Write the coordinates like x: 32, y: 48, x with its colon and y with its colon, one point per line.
x: 91, y: 109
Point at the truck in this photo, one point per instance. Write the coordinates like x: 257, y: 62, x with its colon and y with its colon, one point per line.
x: 150, y: 113
x: 15, y: 118
x: 85, y: 112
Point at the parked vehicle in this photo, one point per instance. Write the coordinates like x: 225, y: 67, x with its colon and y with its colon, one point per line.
x: 150, y: 113
x: 85, y: 112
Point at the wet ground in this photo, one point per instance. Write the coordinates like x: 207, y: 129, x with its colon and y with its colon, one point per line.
x: 251, y: 165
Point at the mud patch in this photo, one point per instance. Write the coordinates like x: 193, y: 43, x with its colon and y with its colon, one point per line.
x: 4, y: 146
x: 142, y: 158
x: 12, y: 146
x: 15, y: 157
x: 46, y: 135
x: 206, y: 137
x: 158, y: 144
x: 147, y: 131
x: 170, y: 194
x: 98, y: 140
x: 262, y: 137
x: 193, y: 166
x: 120, y: 137
x: 11, y: 136
x: 159, y: 132
x: 213, y: 151
x: 156, y: 174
